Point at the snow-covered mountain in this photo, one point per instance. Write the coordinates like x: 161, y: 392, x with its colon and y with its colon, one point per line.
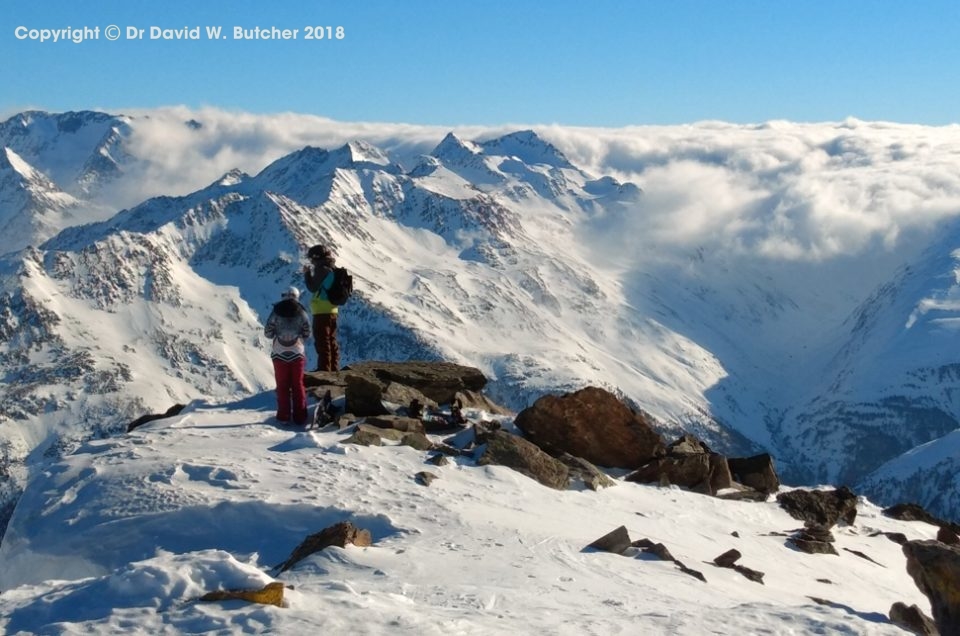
x: 126, y: 534
x: 80, y: 151
x: 499, y: 253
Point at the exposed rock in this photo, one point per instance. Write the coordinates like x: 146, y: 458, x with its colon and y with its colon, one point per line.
x: 688, y: 445
x: 757, y: 472
x: 416, y: 440
x: 425, y: 478
x: 474, y: 436
x: 616, y: 541
x: 271, y: 594
x: 396, y: 422
x: 476, y: 400
x: 437, y: 381
x: 438, y: 460
x: 864, y: 556
x: 364, y: 437
x: 365, y: 395
x: 912, y: 619
x: 703, y: 472
x: 340, y: 535
x: 728, y: 558
x: 392, y: 434
x: 824, y: 507
x: 739, y: 492
x: 396, y: 393
x: 754, y: 575
x: 661, y: 552
x: 591, y: 423
x: 591, y: 476
x: 814, y: 539
x: 915, y: 512
x: 948, y: 536
x: 504, y: 449
x: 143, y: 419
x: 935, y: 569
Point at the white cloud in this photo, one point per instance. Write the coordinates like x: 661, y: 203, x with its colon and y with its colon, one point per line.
x: 776, y: 190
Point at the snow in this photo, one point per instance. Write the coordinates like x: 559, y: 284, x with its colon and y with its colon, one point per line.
x: 126, y: 533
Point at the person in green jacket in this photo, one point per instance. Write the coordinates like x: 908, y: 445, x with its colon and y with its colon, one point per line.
x: 318, y: 276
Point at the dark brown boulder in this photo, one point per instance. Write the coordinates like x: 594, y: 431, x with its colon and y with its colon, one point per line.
x: 912, y: 619
x: 703, y: 472
x: 813, y: 539
x: 823, y: 507
x: 505, y: 449
x: 935, y: 569
x: 594, y: 424
x: 757, y: 472
x: 438, y: 381
x: 616, y: 541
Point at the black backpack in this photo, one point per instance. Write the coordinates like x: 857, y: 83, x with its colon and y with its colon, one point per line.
x: 341, y: 288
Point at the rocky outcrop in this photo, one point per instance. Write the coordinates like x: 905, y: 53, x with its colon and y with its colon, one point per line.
x: 438, y: 382
x: 505, y: 449
x: 935, y: 569
x: 591, y: 423
x: 688, y: 463
x: 757, y: 472
x: 822, y: 507
x: 814, y: 538
x: 340, y: 534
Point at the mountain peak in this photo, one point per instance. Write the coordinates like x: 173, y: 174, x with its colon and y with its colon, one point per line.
x: 453, y: 147
x: 529, y: 147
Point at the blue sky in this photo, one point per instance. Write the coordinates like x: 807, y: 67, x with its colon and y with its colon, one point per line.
x: 583, y: 63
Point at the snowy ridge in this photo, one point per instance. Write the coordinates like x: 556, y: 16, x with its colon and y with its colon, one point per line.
x: 216, y: 497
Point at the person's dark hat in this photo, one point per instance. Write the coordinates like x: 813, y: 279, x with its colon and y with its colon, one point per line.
x: 318, y: 252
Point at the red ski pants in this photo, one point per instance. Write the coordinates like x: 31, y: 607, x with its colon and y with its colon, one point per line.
x: 291, y: 394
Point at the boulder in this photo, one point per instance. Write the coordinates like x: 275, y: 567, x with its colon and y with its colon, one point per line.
x: 814, y: 539
x: 340, y: 535
x: 935, y: 569
x: 438, y: 381
x: 505, y: 449
x: 364, y: 437
x: 703, y: 472
x: 594, y: 424
x: 616, y: 541
x: 271, y: 594
x: 757, y: 472
x: 912, y: 619
x: 823, y: 507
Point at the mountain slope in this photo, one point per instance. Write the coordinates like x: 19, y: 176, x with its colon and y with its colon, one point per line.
x: 32, y: 208
x: 217, y: 496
